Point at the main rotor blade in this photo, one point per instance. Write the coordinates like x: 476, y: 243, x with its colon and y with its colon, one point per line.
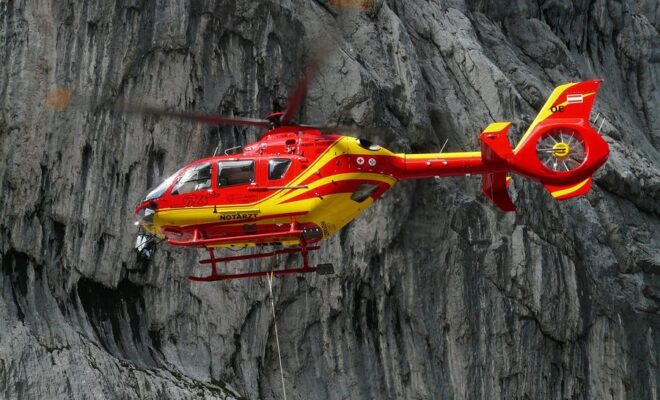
x: 212, y: 119
x: 300, y: 91
x: 323, y: 48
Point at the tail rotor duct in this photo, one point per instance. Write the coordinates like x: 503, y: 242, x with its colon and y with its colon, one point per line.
x: 561, y: 150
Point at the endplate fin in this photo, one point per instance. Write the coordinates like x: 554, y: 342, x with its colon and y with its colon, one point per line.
x: 494, y: 187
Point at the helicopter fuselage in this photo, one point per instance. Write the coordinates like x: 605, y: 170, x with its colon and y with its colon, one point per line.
x: 297, y: 186
x: 293, y: 184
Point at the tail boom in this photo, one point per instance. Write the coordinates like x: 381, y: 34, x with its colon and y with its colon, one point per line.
x: 421, y: 166
x: 560, y: 149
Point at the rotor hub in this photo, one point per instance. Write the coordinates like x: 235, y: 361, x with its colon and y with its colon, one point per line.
x: 275, y: 118
x: 561, y: 150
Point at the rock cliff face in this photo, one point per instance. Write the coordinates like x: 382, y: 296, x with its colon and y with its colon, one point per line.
x: 437, y: 295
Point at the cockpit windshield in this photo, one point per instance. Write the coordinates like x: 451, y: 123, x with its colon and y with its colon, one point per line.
x: 160, y: 189
x: 197, y: 177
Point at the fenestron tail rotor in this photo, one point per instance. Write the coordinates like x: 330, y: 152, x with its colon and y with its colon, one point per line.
x: 561, y: 150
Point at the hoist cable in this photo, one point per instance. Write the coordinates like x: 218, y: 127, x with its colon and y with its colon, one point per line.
x: 277, y: 339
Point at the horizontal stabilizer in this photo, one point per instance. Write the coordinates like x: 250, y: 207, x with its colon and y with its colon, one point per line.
x: 568, y: 191
x: 494, y: 187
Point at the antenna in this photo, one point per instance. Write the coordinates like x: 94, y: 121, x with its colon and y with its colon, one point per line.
x: 231, y: 149
x: 602, y: 121
x: 217, y: 148
x: 443, y: 146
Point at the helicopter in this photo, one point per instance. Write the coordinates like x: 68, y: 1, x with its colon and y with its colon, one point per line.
x: 300, y: 184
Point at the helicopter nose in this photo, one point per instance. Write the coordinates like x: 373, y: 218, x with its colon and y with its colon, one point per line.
x: 145, y: 212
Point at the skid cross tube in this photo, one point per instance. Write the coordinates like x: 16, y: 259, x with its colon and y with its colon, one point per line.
x: 235, y: 239
x: 215, y: 276
x: 260, y: 255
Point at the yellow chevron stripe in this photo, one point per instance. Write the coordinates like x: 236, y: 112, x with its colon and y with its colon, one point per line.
x: 345, y: 145
x: 462, y: 154
x: 337, y: 178
x: 570, y: 190
x: 545, y: 112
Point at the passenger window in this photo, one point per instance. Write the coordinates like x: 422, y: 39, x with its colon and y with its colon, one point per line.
x: 277, y: 167
x: 235, y: 172
x: 197, y: 177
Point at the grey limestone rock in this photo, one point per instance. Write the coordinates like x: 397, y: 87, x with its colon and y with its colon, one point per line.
x: 436, y: 293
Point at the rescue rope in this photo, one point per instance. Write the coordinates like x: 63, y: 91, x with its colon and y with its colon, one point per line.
x: 277, y: 339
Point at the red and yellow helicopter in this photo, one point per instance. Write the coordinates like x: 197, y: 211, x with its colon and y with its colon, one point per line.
x: 299, y: 185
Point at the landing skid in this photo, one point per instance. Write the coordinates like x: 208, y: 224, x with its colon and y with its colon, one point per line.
x: 321, y: 269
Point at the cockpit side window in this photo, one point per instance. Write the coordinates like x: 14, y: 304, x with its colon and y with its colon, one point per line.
x: 235, y: 172
x: 277, y: 167
x: 197, y: 177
